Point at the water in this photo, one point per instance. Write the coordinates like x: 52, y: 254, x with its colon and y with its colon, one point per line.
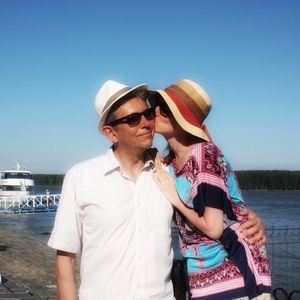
x: 277, y: 208
x: 35, y: 225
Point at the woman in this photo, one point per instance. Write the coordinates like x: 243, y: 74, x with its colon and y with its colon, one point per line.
x: 207, y: 201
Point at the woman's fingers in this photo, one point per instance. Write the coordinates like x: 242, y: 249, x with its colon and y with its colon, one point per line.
x: 160, y: 176
x: 166, y: 185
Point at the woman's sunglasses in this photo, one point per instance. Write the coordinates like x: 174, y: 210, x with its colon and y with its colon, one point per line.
x: 164, y: 109
x: 135, y: 118
x: 157, y: 100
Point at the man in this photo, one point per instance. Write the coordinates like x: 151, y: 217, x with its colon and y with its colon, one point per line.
x: 112, y: 212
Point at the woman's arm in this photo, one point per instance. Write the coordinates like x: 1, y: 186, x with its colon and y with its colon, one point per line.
x: 211, y: 223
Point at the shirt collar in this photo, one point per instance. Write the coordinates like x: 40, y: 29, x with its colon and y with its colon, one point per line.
x: 149, y: 162
x: 114, y: 165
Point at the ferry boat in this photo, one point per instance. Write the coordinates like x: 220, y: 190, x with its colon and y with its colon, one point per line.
x: 16, y: 183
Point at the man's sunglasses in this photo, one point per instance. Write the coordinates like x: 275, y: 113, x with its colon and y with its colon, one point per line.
x: 135, y: 118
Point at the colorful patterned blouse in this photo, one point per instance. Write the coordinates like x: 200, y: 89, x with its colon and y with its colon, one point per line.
x: 227, y: 268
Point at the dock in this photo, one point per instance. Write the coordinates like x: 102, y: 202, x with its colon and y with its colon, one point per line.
x: 29, y: 204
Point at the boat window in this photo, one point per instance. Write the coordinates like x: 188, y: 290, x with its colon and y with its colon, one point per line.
x: 16, y: 188
x: 11, y: 188
x: 17, y: 175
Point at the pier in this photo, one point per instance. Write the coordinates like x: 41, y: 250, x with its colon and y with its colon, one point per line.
x: 29, y: 204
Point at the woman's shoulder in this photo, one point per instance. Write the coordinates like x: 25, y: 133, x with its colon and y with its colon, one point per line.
x: 206, y: 149
x: 210, y: 158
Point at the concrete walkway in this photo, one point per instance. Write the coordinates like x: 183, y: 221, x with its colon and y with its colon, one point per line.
x: 27, y: 268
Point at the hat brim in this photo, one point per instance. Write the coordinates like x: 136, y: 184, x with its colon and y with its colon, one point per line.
x: 183, y: 123
x: 138, y: 88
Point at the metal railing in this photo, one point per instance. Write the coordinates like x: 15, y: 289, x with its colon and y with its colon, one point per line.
x: 283, y: 248
x: 30, y: 204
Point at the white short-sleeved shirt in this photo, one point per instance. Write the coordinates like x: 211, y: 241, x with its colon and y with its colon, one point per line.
x: 122, y: 229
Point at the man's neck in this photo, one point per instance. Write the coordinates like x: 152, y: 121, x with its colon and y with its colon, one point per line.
x: 131, y: 162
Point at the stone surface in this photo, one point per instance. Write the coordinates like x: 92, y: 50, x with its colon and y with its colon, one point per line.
x: 27, y: 268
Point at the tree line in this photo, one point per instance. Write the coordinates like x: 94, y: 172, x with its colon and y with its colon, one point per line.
x: 269, y: 180
x: 248, y: 180
x: 48, y: 179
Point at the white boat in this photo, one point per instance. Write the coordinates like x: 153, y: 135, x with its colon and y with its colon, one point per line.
x: 16, y: 183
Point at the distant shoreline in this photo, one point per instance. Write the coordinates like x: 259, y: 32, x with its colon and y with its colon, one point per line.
x: 260, y: 180
x: 271, y: 190
x: 252, y: 190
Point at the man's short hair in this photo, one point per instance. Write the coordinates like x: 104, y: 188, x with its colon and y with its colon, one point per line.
x: 111, y: 117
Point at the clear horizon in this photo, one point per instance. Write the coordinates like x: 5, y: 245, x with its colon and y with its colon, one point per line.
x: 56, y: 54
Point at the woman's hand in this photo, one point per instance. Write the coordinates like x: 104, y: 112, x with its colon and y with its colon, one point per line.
x: 253, y: 229
x: 166, y: 184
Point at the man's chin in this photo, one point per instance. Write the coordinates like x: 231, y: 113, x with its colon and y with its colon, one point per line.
x: 147, y: 144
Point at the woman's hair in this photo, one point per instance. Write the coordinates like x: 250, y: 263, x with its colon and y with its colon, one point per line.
x: 190, y: 139
x: 170, y: 156
x: 155, y: 99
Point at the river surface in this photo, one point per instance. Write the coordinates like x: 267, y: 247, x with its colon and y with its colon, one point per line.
x: 278, y: 209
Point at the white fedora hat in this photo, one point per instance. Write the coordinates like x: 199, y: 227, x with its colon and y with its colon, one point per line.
x: 109, y: 93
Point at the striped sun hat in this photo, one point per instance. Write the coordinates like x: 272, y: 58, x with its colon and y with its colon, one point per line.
x: 190, y: 105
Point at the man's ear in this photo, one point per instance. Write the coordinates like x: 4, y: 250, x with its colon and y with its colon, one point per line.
x: 110, y: 133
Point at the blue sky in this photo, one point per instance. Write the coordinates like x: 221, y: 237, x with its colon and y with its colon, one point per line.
x: 56, y: 54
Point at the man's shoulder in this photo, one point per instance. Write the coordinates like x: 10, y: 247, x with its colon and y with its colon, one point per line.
x: 89, y: 165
